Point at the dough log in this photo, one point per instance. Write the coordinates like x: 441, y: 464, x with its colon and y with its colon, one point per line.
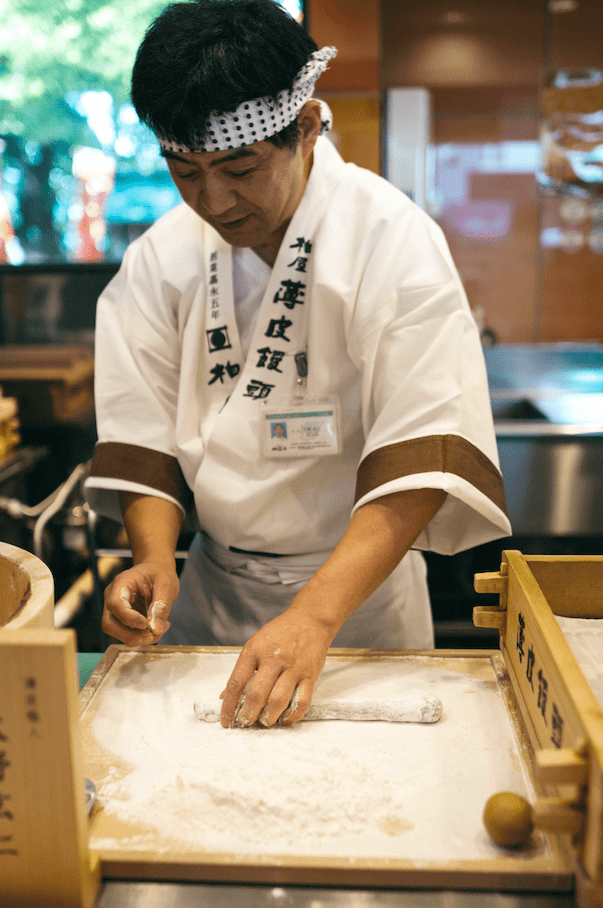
x: 419, y: 708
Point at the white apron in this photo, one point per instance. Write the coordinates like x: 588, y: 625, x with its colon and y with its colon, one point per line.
x: 225, y: 597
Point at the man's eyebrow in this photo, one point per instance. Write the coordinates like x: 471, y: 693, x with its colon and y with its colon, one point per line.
x: 234, y: 155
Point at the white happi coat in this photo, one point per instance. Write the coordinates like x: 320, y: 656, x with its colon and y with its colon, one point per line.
x: 364, y: 283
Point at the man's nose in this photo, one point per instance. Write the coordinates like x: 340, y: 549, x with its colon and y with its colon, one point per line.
x: 216, y: 196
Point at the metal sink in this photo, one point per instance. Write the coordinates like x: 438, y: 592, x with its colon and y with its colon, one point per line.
x: 563, y: 368
x: 521, y: 410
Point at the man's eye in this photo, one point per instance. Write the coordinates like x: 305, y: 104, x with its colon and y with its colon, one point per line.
x: 241, y: 173
x: 183, y: 174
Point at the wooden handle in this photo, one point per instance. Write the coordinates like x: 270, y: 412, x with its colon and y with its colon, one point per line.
x: 492, y: 582
x: 489, y: 616
x: 495, y: 583
x: 561, y: 767
x: 557, y: 815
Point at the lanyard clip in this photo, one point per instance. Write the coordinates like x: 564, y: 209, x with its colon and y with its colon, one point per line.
x: 301, y: 364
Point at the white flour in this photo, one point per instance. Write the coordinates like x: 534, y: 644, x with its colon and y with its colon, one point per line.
x: 585, y: 639
x: 333, y: 788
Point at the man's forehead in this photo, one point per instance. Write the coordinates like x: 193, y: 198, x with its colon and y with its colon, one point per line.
x: 212, y: 158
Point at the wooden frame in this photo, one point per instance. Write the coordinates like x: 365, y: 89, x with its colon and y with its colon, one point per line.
x: 562, y: 715
x: 44, y: 849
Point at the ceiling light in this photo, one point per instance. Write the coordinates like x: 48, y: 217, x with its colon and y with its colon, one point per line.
x: 455, y: 17
x: 562, y: 6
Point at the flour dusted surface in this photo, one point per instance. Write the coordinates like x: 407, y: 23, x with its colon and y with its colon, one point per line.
x: 585, y: 639
x: 350, y: 789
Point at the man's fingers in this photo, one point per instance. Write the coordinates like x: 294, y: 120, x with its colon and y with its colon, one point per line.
x: 123, y: 608
x: 235, y: 687
x: 268, y: 697
x: 131, y: 637
x: 127, y: 620
x: 299, y: 705
x: 279, y: 700
x: 248, y: 689
x: 261, y: 691
x: 138, y: 603
x: 284, y: 655
x: 157, y: 617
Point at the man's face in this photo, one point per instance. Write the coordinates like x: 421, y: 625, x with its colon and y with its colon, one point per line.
x: 248, y: 195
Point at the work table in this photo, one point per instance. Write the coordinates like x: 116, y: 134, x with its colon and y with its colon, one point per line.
x: 205, y: 895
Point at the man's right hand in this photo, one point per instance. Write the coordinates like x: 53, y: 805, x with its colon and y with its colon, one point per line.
x: 138, y: 602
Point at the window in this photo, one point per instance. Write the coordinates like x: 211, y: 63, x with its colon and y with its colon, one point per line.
x: 80, y: 176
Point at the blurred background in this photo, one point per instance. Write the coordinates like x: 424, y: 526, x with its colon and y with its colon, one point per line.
x: 489, y: 116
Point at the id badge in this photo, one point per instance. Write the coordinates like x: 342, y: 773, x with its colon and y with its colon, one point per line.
x: 297, y: 427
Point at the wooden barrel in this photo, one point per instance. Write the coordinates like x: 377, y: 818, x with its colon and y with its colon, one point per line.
x: 26, y: 590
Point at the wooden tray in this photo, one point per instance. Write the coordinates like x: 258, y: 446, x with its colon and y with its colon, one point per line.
x: 562, y: 716
x: 401, y: 805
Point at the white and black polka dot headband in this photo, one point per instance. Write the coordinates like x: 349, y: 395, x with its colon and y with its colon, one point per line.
x: 254, y: 121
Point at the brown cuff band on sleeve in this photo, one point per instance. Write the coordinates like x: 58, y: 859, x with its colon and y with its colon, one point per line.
x: 141, y: 466
x: 433, y: 453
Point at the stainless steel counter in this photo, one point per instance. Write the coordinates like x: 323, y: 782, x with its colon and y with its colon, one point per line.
x: 547, y: 401
x: 206, y: 895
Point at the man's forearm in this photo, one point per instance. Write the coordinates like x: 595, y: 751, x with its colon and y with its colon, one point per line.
x: 286, y: 656
x: 153, y: 527
x: 377, y: 538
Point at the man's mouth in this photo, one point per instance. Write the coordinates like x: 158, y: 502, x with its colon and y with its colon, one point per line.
x: 232, y: 225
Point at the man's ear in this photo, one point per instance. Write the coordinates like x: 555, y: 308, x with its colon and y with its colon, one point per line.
x: 310, y: 121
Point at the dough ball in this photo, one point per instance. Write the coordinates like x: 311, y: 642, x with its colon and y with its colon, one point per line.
x: 508, y: 819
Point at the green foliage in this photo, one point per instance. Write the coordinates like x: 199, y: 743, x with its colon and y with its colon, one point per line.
x: 49, y: 50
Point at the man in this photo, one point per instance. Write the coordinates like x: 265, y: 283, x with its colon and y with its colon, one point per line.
x: 289, y: 287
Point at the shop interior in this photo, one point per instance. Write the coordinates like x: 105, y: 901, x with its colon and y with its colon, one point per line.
x: 456, y: 107
x: 490, y: 116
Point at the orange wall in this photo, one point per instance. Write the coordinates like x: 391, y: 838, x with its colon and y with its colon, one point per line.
x: 351, y: 84
x: 353, y: 26
x: 483, y: 71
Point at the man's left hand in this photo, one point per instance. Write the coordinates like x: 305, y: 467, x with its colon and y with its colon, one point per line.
x: 275, y: 674
x: 282, y: 662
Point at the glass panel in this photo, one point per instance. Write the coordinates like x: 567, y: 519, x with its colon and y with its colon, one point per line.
x: 570, y: 174
x: 485, y: 200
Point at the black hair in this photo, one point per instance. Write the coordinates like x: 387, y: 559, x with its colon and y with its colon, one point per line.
x: 201, y: 57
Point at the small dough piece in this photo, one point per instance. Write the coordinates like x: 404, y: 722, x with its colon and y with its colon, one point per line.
x: 414, y: 707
